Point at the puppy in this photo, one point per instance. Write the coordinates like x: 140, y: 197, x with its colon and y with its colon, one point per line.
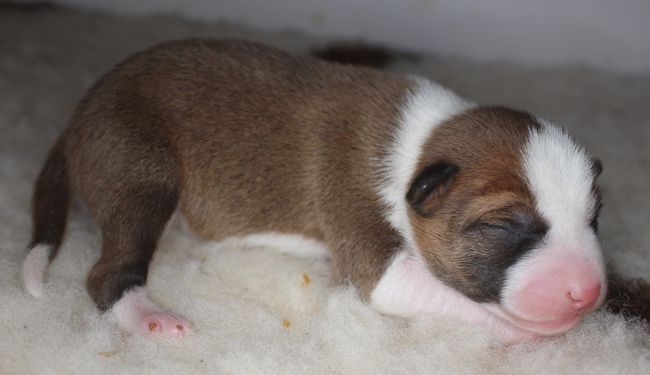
x: 426, y: 202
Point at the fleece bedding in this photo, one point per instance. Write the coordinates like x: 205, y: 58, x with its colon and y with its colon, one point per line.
x: 261, y: 310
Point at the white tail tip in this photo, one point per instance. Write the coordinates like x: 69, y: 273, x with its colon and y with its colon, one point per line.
x: 34, y: 269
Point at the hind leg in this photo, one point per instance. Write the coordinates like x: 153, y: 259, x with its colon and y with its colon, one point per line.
x: 129, y: 234
x: 135, y: 312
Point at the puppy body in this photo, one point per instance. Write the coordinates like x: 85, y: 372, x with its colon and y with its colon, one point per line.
x: 425, y: 202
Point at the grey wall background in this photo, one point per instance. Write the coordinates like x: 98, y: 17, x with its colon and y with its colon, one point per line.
x: 607, y: 34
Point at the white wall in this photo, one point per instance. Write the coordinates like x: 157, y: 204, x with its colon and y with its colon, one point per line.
x: 610, y: 34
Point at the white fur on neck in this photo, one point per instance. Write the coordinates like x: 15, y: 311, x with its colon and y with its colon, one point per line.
x: 34, y: 268
x: 426, y: 107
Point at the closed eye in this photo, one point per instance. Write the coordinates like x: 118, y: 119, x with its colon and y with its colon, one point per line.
x: 511, y: 228
x: 503, y: 225
x: 511, y: 224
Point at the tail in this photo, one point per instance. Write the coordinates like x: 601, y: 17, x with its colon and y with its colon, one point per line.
x: 49, y: 215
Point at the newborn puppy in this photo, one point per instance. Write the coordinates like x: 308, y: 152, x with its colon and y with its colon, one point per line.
x: 427, y: 203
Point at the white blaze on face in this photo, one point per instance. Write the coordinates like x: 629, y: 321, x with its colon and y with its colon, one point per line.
x: 567, y: 266
x: 560, y: 176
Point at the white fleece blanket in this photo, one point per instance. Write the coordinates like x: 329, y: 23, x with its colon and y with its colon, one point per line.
x: 257, y: 310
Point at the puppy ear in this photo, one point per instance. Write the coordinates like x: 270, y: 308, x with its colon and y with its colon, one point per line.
x: 433, y: 182
x: 596, y: 167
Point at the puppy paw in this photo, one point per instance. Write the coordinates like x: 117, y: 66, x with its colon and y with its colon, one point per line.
x: 136, y: 313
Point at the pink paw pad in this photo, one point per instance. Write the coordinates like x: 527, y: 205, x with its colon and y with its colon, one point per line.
x: 164, y: 323
x: 136, y: 313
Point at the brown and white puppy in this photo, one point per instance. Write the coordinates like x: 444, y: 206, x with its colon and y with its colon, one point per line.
x: 427, y: 203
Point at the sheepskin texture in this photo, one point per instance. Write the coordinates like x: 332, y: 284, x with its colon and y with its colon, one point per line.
x: 258, y: 310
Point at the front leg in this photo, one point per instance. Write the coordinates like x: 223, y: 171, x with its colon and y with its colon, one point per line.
x: 407, y: 288
x: 360, y: 252
x: 371, y: 255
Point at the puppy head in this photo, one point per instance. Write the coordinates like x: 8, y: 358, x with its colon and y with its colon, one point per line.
x: 503, y: 208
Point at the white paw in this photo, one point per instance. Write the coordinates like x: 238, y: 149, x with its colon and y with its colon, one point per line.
x: 136, y: 313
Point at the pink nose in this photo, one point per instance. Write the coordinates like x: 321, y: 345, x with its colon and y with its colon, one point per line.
x: 584, y: 296
x: 549, y: 299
